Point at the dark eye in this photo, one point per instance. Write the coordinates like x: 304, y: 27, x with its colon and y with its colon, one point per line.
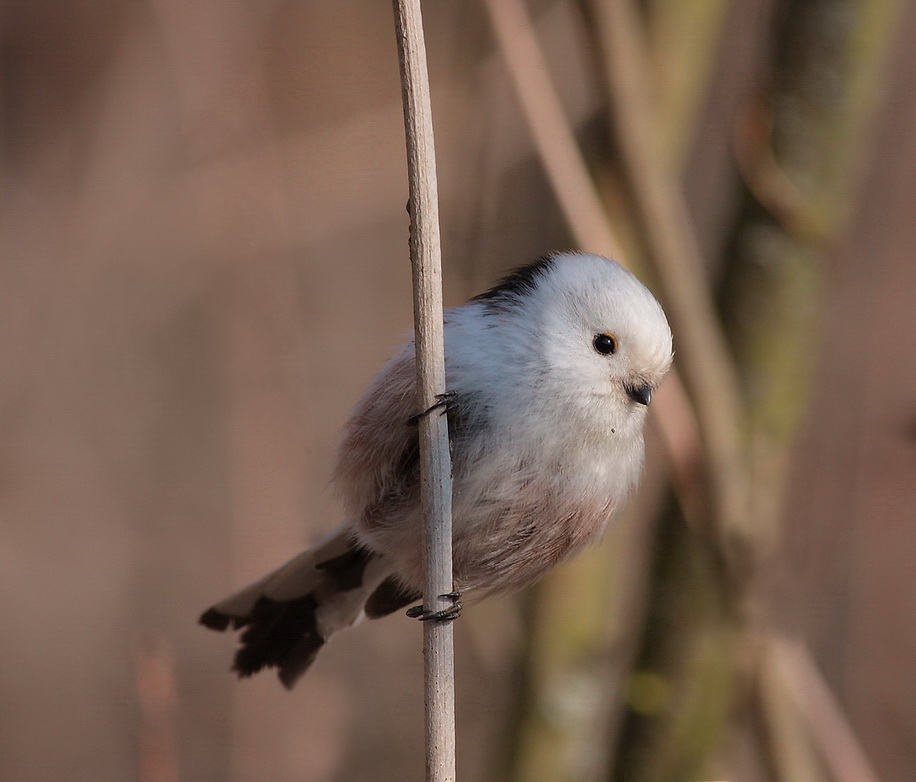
x: 605, y: 344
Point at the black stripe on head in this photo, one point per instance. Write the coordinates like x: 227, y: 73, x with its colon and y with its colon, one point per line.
x: 518, y: 283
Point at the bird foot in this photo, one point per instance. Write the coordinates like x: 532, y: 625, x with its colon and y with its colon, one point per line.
x: 444, y: 404
x: 445, y: 615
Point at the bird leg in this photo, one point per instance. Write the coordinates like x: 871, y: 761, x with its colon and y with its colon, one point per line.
x: 445, y: 403
x: 445, y: 615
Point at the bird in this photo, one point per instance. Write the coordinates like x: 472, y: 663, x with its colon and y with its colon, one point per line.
x: 549, y: 376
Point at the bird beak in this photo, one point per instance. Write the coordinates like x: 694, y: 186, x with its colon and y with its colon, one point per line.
x: 641, y: 394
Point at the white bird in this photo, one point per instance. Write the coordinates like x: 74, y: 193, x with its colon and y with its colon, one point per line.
x: 549, y: 377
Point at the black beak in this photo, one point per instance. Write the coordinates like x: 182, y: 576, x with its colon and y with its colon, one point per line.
x: 641, y: 394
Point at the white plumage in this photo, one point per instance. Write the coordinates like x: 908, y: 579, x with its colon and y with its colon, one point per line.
x: 550, y: 374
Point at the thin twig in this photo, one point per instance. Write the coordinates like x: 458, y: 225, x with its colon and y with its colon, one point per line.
x: 435, y: 462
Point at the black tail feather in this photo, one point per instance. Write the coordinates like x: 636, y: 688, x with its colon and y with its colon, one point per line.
x: 278, y: 634
x: 284, y: 633
x: 215, y: 620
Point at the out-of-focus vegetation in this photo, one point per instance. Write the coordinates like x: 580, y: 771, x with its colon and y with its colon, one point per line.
x: 204, y: 258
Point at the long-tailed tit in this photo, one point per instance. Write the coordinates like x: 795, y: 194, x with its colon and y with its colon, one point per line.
x: 549, y: 375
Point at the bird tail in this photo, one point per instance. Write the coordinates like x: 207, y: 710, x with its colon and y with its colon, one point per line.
x: 289, y: 614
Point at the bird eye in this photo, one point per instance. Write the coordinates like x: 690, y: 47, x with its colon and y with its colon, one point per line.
x: 605, y: 344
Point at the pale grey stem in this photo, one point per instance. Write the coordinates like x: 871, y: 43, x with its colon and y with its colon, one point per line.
x: 435, y: 460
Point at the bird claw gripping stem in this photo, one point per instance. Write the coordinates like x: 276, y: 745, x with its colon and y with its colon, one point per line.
x: 445, y: 403
x: 445, y: 615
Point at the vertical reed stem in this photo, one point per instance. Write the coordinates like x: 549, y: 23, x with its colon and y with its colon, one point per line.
x: 435, y: 461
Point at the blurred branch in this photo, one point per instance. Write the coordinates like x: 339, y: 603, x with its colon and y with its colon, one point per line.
x: 709, y: 374
x: 683, y: 48
x: 553, y: 738
x: 788, y: 745
x: 435, y: 458
x: 780, y: 321
x: 709, y: 377
x: 713, y: 639
x: 553, y: 135
x: 578, y: 198
x: 154, y: 683
x: 804, y: 686
x: 766, y: 180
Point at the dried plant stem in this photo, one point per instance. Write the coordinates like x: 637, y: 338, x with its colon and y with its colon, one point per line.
x: 435, y: 462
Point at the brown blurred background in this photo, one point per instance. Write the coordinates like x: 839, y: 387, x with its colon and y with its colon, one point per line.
x: 203, y: 259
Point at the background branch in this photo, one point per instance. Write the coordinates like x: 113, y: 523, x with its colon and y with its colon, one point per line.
x: 709, y: 374
x: 806, y: 689
x: 579, y: 201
